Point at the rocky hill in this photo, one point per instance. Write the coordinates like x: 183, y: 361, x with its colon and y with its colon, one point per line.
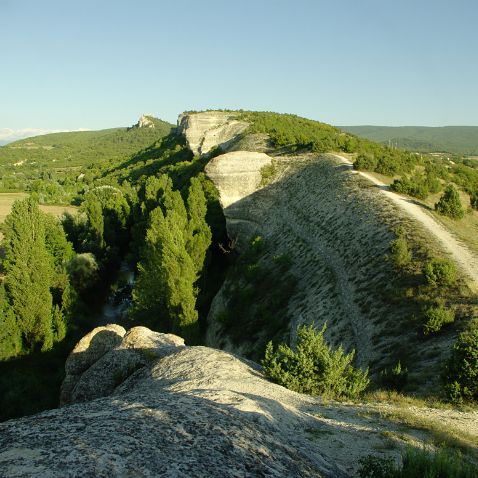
x: 143, y: 404
x: 309, y: 242
x: 334, y: 230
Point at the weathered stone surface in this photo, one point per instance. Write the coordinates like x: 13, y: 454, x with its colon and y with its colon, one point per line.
x: 195, y: 412
x: 137, y: 348
x: 205, y: 131
x: 87, y: 352
x: 93, y: 346
x: 236, y: 175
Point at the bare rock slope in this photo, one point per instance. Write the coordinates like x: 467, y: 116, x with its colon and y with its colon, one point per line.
x: 180, y: 411
x: 196, y: 411
x: 335, y: 228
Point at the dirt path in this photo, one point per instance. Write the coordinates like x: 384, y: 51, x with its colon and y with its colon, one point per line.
x: 467, y: 261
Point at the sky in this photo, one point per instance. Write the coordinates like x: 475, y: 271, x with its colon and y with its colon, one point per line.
x: 69, y: 65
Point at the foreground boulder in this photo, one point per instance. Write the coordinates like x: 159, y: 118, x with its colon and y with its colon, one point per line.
x: 178, y: 411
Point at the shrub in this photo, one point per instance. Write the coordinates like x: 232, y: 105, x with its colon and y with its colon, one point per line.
x: 376, y: 467
x: 314, y: 368
x: 412, y: 187
x: 439, y: 272
x: 365, y: 162
x: 474, y: 200
x: 436, y: 318
x: 462, y: 367
x: 400, y: 252
x: 394, y: 378
x: 418, y: 463
x: 450, y: 204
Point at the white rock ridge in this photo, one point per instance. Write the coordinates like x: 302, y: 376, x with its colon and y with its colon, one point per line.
x: 205, y: 131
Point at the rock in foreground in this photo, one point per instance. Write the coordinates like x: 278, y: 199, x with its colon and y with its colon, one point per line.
x: 180, y: 411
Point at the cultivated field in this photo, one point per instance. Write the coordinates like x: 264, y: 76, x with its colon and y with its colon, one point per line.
x: 7, y: 200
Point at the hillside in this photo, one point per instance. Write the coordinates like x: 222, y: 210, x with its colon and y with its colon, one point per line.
x: 61, y: 157
x: 236, y: 229
x: 462, y: 140
x: 143, y: 404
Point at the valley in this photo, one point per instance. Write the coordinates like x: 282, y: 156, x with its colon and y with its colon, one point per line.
x: 233, y: 230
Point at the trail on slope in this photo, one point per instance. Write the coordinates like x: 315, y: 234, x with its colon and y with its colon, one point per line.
x: 462, y: 255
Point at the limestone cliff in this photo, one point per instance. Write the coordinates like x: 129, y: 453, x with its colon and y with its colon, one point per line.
x: 205, y: 131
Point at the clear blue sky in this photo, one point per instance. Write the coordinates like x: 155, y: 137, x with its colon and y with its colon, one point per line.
x: 96, y: 64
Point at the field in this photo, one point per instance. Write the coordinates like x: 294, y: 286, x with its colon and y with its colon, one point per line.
x: 7, y: 200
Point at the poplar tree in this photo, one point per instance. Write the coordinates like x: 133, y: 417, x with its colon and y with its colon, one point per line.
x: 199, y: 232
x: 29, y: 272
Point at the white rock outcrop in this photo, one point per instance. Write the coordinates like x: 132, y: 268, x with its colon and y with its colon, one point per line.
x: 145, y: 122
x: 205, y: 131
x: 185, y: 412
x: 236, y: 175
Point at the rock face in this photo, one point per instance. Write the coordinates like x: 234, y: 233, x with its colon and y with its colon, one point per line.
x: 205, y: 131
x: 145, y: 122
x: 108, y: 355
x: 236, y: 175
x: 184, y: 411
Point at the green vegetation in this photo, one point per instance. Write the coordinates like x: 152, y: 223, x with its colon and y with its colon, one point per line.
x: 435, y: 318
x: 257, y: 292
x: 418, y: 463
x: 298, y: 133
x: 401, y: 253
x: 36, y: 283
x: 394, y: 378
x: 440, y: 272
x: 461, y: 140
x: 450, y: 204
x: 177, y: 240
x: 313, y: 367
x: 57, y: 167
x: 461, y: 374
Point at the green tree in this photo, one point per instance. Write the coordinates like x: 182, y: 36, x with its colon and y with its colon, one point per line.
x: 199, y: 233
x: 10, y: 334
x: 462, y: 367
x: 164, y: 291
x: 450, y: 204
x: 29, y: 272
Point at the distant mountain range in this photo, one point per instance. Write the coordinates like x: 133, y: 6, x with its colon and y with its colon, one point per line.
x: 451, y: 139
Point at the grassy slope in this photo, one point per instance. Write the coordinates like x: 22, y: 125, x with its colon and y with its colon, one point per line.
x: 452, y: 139
x: 60, y: 154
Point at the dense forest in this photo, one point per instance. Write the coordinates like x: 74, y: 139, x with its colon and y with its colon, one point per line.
x: 145, y: 202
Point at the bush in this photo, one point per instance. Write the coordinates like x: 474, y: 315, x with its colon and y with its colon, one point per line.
x: 400, y: 252
x: 376, y: 467
x: 411, y: 187
x: 365, y: 162
x: 450, y: 204
x: 418, y: 463
x: 436, y: 318
x: 474, y: 200
x: 440, y: 272
x: 462, y: 367
x: 394, y: 378
x: 314, y: 368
